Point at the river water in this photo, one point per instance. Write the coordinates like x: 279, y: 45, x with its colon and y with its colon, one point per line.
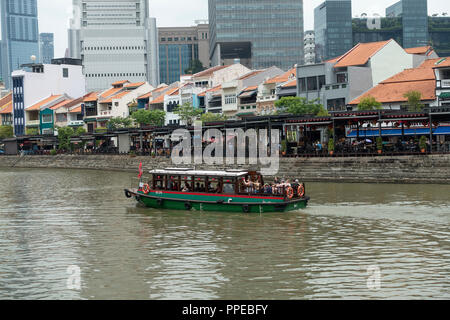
x: 60, y: 228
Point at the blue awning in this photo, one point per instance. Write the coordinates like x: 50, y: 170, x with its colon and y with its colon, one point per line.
x: 398, y: 132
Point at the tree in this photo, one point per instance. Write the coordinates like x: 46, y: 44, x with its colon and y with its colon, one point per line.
x: 6, y: 132
x: 211, y: 117
x: 369, y: 103
x: 64, y: 135
x: 80, y: 131
x: 149, y: 117
x: 188, y: 113
x: 414, y: 100
x: 300, y: 106
x: 195, y: 66
x: 119, y: 123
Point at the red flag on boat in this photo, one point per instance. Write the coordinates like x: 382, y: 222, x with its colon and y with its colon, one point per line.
x: 140, y: 171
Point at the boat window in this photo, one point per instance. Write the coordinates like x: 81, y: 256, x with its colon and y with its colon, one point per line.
x: 228, y: 188
x: 199, y: 184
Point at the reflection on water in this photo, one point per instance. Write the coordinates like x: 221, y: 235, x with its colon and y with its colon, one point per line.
x: 50, y: 220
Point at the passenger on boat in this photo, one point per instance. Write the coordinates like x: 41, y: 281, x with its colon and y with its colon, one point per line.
x: 295, y: 186
x: 267, y: 189
x: 187, y: 188
x: 197, y: 187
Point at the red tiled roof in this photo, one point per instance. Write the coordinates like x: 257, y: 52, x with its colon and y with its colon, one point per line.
x: 110, y: 92
x: 114, y: 97
x: 209, y: 71
x: 160, y: 99
x: 134, y: 85
x: 5, y: 100
x: 334, y: 60
x: 216, y: 88
x: 360, y: 54
x: 145, y: 96
x: 76, y: 110
x: 284, y: 77
x: 392, y: 90
x: 90, y: 97
x: 119, y: 82
x: 292, y: 83
x: 61, y: 104
x: 419, y: 50
x: 442, y: 63
x: 7, y: 108
x: 250, y: 74
x: 42, y: 103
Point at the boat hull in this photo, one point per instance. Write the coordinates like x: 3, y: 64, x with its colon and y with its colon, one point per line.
x: 216, y: 203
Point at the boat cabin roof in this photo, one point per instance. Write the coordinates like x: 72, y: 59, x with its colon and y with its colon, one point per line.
x: 192, y: 172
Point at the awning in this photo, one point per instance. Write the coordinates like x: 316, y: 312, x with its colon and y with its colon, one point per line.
x: 392, y: 132
x: 90, y: 120
x: 444, y: 130
x: 248, y: 94
x: 245, y: 114
x: 444, y: 95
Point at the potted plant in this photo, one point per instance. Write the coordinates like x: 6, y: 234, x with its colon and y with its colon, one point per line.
x: 380, y: 145
x: 132, y: 154
x: 423, y: 144
x: 283, y: 147
x: 331, y: 146
x: 153, y: 154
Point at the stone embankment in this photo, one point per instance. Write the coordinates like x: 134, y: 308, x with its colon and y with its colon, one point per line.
x: 404, y: 169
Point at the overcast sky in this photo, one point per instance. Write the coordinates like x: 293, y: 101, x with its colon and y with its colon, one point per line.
x: 54, y: 14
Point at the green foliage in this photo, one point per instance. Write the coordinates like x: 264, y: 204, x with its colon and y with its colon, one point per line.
x: 64, y: 135
x: 379, y: 143
x: 195, y: 66
x: 31, y: 131
x: 101, y: 130
x: 300, y: 106
x: 53, y: 152
x: 423, y: 143
x: 6, y: 132
x: 283, y: 146
x: 80, y: 131
x: 149, y: 117
x: 188, y: 113
x: 331, y: 144
x: 414, y: 100
x: 369, y: 103
x: 211, y: 117
x: 119, y: 123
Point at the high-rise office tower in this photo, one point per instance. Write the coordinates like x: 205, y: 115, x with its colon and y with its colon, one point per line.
x: 178, y: 46
x: 116, y: 40
x: 333, y: 29
x: 46, y: 47
x: 20, y: 35
x: 414, y: 15
x: 258, y: 33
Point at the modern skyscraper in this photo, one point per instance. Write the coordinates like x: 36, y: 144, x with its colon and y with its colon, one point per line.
x: 20, y: 35
x: 179, y: 46
x: 414, y: 14
x: 310, y: 47
x: 116, y: 40
x: 260, y: 33
x: 47, y: 47
x: 333, y: 29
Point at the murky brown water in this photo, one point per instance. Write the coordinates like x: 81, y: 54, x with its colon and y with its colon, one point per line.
x: 50, y: 220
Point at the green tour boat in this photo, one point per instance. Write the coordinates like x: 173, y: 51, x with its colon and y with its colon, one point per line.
x: 220, y: 191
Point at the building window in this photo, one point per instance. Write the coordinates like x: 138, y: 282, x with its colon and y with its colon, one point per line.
x: 341, y: 78
x: 302, y: 84
x: 65, y: 72
x: 312, y: 83
x: 47, y: 118
x: 230, y: 99
x: 322, y: 81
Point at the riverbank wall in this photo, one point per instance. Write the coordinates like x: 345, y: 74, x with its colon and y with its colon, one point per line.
x: 424, y: 169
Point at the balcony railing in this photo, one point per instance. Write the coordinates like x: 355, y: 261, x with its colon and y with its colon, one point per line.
x: 105, y: 113
x: 76, y: 123
x: 267, y: 98
x: 445, y: 83
x: 33, y: 123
